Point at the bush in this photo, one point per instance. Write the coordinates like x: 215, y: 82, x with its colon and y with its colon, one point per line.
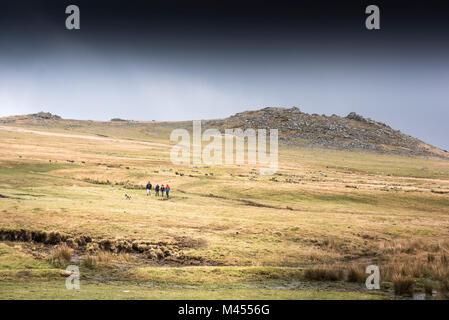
x: 403, y: 285
x: 323, y: 273
x: 61, y: 255
x: 103, y: 259
x: 90, y: 261
x: 104, y: 256
x: 356, y: 274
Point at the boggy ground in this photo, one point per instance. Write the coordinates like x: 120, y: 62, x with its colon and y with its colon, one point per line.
x: 307, y: 232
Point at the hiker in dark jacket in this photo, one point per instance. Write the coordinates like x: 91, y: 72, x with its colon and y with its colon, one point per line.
x: 149, y: 186
x: 157, y: 190
x: 162, y: 190
x: 167, y: 190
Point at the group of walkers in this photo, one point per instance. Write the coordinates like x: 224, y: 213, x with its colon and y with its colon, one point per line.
x: 158, y: 188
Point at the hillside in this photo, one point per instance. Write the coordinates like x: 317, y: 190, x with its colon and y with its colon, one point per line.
x: 342, y: 133
x: 226, y: 231
x: 296, y: 128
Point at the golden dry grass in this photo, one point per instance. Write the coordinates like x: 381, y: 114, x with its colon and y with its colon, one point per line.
x: 322, y: 207
x: 61, y: 255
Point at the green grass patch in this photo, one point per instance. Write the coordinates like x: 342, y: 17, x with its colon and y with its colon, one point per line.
x: 120, y: 290
x: 12, y: 258
x: 214, y: 275
x: 19, y: 167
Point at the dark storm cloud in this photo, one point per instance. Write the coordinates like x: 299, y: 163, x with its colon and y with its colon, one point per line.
x: 189, y: 59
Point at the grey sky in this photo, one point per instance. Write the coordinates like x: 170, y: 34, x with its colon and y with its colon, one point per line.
x: 145, y: 70
x: 411, y: 96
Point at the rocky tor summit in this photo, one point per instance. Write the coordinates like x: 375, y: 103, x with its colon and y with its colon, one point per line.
x: 344, y: 133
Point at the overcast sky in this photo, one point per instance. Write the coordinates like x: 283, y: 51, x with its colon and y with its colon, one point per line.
x: 146, y: 60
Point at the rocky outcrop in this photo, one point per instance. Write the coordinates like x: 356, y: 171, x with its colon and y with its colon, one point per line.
x: 46, y: 115
x: 313, y: 130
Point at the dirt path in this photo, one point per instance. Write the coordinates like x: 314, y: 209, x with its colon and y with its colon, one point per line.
x: 79, y: 136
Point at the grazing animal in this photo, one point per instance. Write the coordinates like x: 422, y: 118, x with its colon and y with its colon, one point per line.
x: 127, y: 197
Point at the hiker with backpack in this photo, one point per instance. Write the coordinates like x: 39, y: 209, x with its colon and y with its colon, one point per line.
x: 156, y: 189
x: 167, y: 190
x: 162, y: 190
x: 149, y: 186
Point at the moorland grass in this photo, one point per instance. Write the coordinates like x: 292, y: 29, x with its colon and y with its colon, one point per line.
x: 263, y: 230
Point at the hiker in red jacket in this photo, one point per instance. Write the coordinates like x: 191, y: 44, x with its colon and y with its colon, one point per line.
x: 167, y: 190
